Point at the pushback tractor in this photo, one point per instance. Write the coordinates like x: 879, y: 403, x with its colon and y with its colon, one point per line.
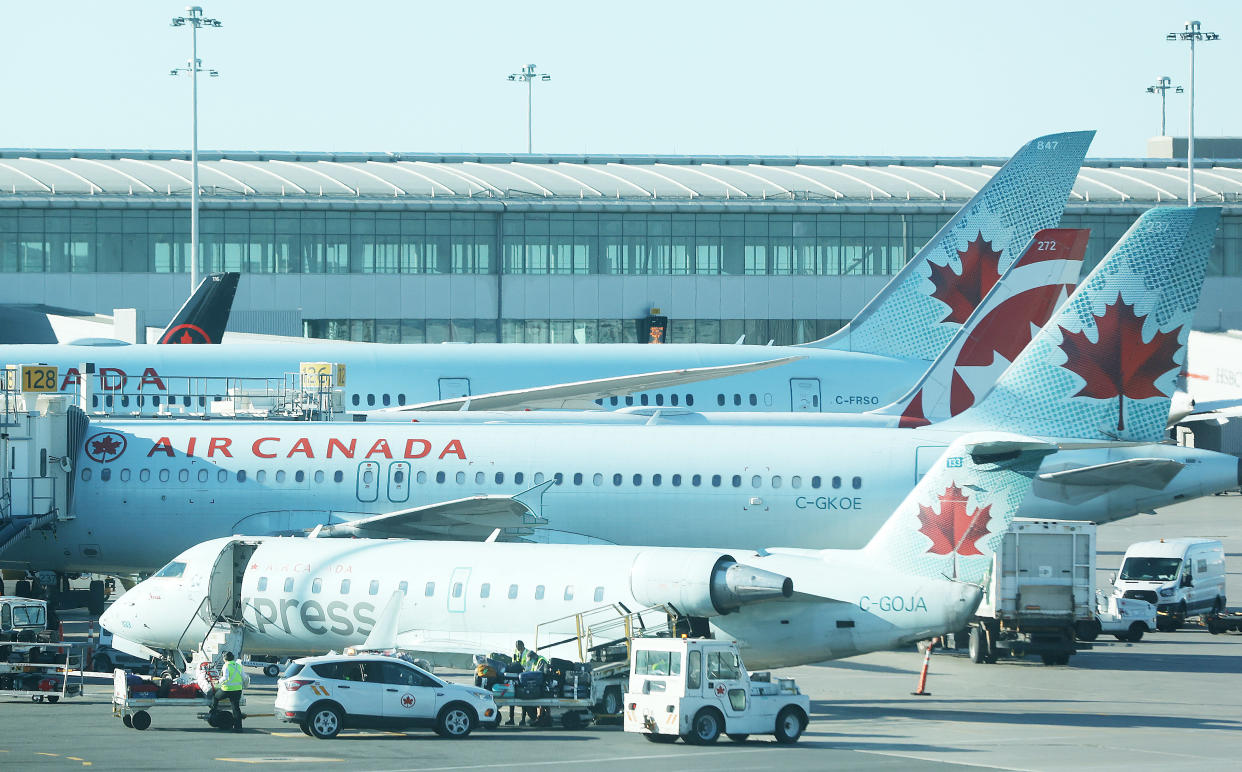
x: 698, y: 689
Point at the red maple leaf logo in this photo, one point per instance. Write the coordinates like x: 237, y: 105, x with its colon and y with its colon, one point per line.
x: 1119, y: 364
x: 105, y: 447
x: 962, y: 292
x: 951, y: 529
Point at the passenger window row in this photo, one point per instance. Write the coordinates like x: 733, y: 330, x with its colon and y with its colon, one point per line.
x: 457, y: 590
x: 140, y: 400
x: 644, y: 399
x: 480, y: 478
x: 204, y: 475
x: 384, y: 399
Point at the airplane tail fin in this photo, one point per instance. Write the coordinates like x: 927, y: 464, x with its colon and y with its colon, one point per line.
x: 925, y: 304
x: 1105, y: 366
x: 952, y: 522
x: 204, y: 316
x: 1015, y: 309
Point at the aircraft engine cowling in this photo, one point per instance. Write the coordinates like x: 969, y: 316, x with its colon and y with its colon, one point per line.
x: 702, y: 584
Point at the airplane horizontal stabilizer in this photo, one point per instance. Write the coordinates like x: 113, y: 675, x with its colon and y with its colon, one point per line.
x: 472, y: 518
x: 581, y: 395
x: 1154, y: 473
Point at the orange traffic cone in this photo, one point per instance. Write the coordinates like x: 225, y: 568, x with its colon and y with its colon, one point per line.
x: 921, y: 691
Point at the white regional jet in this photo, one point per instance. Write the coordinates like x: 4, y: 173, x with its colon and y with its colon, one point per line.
x: 1096, y: 380
x: 867, y: 364
x: 918, y: 577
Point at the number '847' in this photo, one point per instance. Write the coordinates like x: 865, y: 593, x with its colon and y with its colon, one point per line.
x: 1046, y: 144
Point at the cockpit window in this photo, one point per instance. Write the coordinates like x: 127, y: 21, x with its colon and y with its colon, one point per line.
x: 173, y: 569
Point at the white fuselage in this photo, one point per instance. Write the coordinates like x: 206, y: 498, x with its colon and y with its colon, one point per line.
x: 387, y: 375
x: 145, y: 490
x: 305, y: 596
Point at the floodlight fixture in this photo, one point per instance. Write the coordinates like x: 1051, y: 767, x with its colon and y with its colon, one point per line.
x: 528, y: 76
x: 1192, y: 33
x: 194, y: 20
x: 1162, y: 87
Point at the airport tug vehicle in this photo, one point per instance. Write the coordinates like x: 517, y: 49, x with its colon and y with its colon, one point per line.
x: 698, y: 689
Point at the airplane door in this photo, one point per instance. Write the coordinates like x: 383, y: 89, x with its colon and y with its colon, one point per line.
x: 368, y: 481
x: 454, y: 387
x: 804, y: 395
x: 925, y: 457
x: 724, y: 680
x: 458, y: 586
x: 399, y: 481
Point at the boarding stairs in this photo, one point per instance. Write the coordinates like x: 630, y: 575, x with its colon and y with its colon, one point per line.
x: 602, y: 634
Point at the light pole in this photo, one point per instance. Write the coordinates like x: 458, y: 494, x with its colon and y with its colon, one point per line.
x: 1193, y: 34
x: 529, y: 76
x: 1161, y: 87
x: 194, y: 66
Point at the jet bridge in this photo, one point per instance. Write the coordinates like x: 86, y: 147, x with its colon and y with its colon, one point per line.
x: 40, y: 434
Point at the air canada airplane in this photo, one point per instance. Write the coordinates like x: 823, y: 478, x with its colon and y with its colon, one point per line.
x: 1095, y: 380
x: 869, y: 363
x: 918, y: 577
x: 201, y: 319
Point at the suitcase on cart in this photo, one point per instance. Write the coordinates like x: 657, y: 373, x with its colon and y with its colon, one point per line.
x: 530, y: 686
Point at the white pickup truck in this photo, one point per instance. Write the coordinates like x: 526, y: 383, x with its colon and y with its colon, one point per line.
x: 697, y: 689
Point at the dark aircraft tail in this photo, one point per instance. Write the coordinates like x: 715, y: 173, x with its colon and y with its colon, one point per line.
x: 204, y: 316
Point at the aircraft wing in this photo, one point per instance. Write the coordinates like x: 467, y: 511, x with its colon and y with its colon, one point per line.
x: 581, y: 395
x: 472, y: 518
x: 1154, y: 473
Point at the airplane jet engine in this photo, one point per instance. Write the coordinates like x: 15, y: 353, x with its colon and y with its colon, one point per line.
x: 700, y: 583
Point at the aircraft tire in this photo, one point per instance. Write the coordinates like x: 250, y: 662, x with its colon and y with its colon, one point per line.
x: 705, y: 728
x: 790, y: 723
x: 978, y: 645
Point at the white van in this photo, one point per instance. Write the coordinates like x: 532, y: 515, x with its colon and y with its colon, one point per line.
x: 1183, y: 577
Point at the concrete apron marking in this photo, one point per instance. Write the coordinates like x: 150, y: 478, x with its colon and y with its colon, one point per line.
x: 278, y: 760
x: 629, y: 759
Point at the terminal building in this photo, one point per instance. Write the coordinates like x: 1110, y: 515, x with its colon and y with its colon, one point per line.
x: 406, y: 247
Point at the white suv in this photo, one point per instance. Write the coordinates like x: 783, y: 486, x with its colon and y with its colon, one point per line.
x: 324, y: 695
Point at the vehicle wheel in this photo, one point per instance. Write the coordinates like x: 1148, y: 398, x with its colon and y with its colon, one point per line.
x: 271, y: 671
x: 705, y: 728
x: 97, y: 598
x: 127, y: 721
x: 1165, y: 624
x: 1136, y: 632
x: 1049, y: 659
x: 978, y: 645
x: 455, y: 721
x: 1087, y: 630
x: 738, y: 738
x: 102, y: 664
x: 53, y: 698
x: 1215, y: 626
x: 790, y: 723
x: 661, y: 738
x: 220, y: 719
x: 141, y: 720
x: 324, y: 721
x: 575, y: 719
x: 305, y: 729
x: 610, y: 703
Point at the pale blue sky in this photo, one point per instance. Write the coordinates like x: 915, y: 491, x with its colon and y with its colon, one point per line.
x: 885, y: 77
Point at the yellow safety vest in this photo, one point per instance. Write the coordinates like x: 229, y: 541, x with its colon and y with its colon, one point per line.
x: 231, y: 677
x: 522, y: 657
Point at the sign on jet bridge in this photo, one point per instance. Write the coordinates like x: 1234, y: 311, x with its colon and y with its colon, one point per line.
x: 30, y: 378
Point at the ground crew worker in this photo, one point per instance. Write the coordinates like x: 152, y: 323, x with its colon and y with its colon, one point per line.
x: 541, y: 716
x: 231, y: 684
x: 521, y: 657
